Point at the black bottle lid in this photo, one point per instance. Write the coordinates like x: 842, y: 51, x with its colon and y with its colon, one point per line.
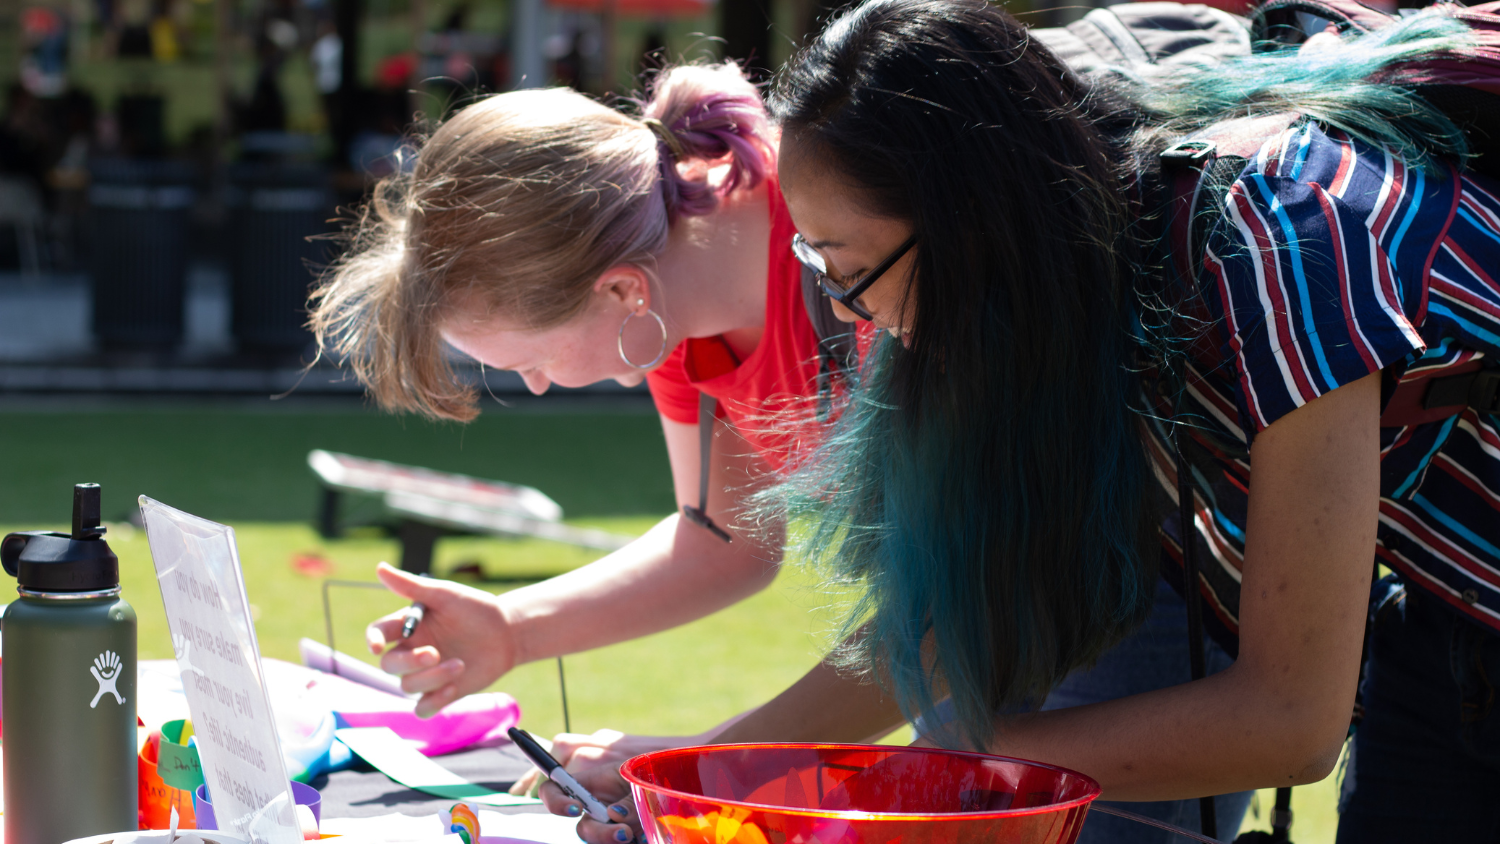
x: 46, y: 561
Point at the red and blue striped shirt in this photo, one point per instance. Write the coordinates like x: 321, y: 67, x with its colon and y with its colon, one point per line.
x: 1334, y: 259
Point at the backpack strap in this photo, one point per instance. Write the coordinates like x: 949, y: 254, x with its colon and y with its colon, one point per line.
x: 707, y: 404
x: 1188, y: 166
x: 1287, y: 21
x: 1416, y: 401
x: 1188, y: 532
x: 1198, y: 178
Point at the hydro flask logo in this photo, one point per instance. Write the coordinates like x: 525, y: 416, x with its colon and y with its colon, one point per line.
x: 106, y: 670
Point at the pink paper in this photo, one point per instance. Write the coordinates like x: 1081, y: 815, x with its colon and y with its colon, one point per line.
x: 466, y: 722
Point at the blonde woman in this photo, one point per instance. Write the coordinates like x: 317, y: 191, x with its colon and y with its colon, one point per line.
x: 544, y: 233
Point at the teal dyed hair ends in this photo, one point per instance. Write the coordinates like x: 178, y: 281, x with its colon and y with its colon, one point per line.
x: 987, y: 484
x: 1353, y: 86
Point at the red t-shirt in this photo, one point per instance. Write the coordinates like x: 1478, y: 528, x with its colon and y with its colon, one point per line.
x: 768, y: 396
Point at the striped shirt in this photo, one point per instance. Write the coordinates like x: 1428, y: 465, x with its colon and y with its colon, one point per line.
x: 1333, y: 259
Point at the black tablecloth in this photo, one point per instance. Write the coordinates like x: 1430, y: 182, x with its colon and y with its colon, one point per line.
x: 362, y: 791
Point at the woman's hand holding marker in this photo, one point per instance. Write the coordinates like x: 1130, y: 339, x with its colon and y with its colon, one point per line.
x: 604, y: 748
x: 606, y: 816
x: 606, y: 784
x: 462, y: 645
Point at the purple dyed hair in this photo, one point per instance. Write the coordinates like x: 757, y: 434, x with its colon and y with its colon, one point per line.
x: 515, y: 206
x: 714, y: 113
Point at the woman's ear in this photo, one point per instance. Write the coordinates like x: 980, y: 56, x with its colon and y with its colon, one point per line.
x: 627, y: 284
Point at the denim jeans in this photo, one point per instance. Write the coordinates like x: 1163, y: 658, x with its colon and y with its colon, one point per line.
x: 1153, y: 657
x: 1425, y: 761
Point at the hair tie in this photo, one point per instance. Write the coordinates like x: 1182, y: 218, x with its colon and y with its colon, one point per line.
x: 661, y: 131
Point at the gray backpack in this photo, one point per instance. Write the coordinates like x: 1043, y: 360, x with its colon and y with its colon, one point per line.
x: 1138, y: 38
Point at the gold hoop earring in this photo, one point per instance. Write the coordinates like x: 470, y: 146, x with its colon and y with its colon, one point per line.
x: 620, y: 341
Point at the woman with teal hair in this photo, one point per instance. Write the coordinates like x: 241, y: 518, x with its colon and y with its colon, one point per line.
x: 1004, y: 481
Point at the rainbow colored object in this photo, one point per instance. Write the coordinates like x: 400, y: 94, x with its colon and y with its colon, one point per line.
x: 463, y: 819
x: 854, y: 794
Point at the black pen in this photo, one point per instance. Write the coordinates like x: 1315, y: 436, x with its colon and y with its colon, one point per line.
x: 555, y: 772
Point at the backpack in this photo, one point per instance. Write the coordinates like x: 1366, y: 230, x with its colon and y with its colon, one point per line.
x: 1144, y: 38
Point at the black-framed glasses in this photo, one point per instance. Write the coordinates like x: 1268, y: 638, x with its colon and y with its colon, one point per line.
x: 836, y: 290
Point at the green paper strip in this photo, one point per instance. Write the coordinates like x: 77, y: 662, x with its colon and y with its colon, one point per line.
x: 392, y: 756
x: 177, y: 764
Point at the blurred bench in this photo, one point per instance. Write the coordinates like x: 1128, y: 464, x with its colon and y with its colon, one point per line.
x: 427, y: 505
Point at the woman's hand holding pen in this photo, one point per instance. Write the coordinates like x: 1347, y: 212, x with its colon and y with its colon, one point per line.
x: 461, y: 646
x: 606, y: 784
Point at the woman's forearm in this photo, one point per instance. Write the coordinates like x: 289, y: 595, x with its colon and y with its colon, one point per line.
x: 1214, y: 736
x: 677, y: 572
x: 1279, y: 715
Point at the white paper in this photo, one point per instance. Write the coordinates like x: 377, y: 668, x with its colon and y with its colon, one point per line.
x: 532, y: 826
x: 494, y: 828
x: 213, y: 636
x: 392, y: 827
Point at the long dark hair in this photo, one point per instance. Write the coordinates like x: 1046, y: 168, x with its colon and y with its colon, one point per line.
x: 987, y: 484
x: 993, y: 494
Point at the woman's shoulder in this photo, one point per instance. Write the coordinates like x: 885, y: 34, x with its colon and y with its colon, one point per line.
x: 1304, y: 152
x: 1310, y: 156
x: 1306, y: 303
x: 1316, y: 187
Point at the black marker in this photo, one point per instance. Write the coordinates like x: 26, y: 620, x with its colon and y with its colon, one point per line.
x: 555, y: 772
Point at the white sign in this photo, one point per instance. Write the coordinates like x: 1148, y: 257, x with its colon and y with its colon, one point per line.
x: 213, y: 637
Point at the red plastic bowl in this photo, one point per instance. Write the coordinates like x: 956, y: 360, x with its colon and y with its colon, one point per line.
x: 853, y: 794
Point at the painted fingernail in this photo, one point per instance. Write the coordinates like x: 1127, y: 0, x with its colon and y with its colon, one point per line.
x: 623, y: 835
x: 620, y: 810
x: 573, y: 810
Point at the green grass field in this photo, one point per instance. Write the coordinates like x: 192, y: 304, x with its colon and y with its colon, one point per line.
x: 243, y: 461
x: 607, y: 467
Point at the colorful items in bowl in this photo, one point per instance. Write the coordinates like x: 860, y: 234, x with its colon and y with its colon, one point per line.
x: 853, y: 794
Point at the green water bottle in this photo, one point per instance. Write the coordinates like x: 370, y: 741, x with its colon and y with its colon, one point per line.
x: 69, y: 684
